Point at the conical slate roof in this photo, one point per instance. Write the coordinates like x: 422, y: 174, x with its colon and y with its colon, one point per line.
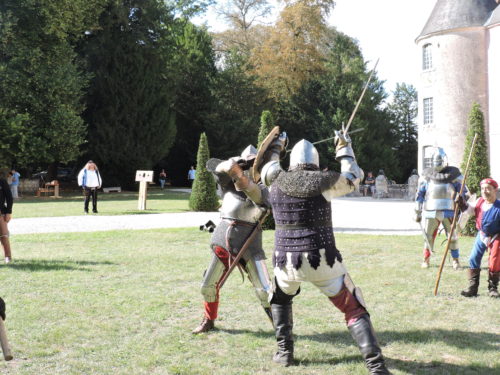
x: 495, y: 17
x: 452, y: 14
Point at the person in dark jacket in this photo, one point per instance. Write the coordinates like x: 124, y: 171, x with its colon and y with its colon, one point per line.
x: 6, y: 203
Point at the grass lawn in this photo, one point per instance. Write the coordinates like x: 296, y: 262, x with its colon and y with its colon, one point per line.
x: 125, y: 302
x: 125, y: 203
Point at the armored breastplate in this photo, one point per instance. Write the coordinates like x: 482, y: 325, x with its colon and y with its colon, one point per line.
x: 302, y: 223
x: 238, y: 208
x: 439, y: 196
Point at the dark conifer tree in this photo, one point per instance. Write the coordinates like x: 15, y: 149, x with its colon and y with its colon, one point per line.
x: 204, y: 194
x: 266, y: 125
x: 130, y: 116
x: 479, y: 167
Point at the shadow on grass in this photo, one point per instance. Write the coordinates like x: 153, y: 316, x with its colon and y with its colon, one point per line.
x: 407, y: 366
x: 482, y: 341
x: 33, y: 265
x: 440, y: 368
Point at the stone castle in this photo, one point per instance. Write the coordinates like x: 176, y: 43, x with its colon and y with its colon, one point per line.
x: 460, y: 64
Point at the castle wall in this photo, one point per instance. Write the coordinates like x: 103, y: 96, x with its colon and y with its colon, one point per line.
x: 494, y: 100
x: 457, y: 79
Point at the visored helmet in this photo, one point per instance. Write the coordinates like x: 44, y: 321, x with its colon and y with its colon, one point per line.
x: 304, y: 154
x: 248, y: 152
x: 439, y: 159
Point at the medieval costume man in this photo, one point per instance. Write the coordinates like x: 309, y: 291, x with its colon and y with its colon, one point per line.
x: 243, y: 204
x: 436, y: 193
x: 487, y: 211
x: 305, y: 245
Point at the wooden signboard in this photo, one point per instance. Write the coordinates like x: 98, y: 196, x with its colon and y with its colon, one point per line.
x: 143, y: 177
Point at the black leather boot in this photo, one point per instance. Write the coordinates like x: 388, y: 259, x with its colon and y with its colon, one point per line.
x: 362, y: 332
x: 471, y: 291
x: 269, y: 314
x: 283, y: 325
x: 493, y: 284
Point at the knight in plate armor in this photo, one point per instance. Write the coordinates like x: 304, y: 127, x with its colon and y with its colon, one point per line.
x: 243, y: 204
x: 305, y: 247
x: 435, y: 203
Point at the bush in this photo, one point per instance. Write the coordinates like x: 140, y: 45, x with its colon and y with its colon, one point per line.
x: 204, y: 193
x: 479, y: 167
x: 266, y: 125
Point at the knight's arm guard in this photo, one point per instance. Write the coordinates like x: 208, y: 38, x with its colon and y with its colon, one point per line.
x: 345, y: 155
x: 243, y: 183
x: 270, y: 172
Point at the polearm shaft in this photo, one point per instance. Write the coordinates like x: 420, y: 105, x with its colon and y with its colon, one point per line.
x: 360, y: 99
x: 455, y: 215
x: 242, y: 251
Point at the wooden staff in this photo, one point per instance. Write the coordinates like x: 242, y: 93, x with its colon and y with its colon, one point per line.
x: 242, y: 251
x: 455, y: 216
x: 7, y: 354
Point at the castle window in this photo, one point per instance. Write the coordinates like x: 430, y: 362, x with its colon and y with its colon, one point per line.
x: 427, y: 57
x: 428, y: 111
x: 428, y: 151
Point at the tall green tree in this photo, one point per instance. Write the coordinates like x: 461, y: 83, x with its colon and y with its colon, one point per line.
x: 130, y: 100
x: 237, y: 107
x: 266, y: 125
x: 43, y: 81
x: 404, y: 109
x: 326, y: 101
x: 479, y: 167
x: 195, y: 71
x: 203, y: 195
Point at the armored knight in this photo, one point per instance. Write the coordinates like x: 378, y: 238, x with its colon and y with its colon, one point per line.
x: 305, y: 245
x: 243, y: 204
x: 435, y: 197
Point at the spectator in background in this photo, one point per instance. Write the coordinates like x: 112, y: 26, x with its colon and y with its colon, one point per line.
x: 6, y: 203
x: 381, y: 185
x: 191, y: 175
x: 162, y: 178
x: 412, y: 185
x: 90, y: 180
x: 369, y: 184
x: 14, y: 183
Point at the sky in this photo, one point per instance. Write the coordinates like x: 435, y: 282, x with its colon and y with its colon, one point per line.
x: 385, y: 30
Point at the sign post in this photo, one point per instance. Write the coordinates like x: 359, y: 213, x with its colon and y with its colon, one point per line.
x: 143, y: 177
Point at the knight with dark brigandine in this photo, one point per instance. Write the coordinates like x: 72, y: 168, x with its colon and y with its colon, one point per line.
x: 305, y: 247
x: 243, y: 204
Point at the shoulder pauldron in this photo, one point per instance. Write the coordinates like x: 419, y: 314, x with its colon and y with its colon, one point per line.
x: 447, y: 175
x: 304, y: 184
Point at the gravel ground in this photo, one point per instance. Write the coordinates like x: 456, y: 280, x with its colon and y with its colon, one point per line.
x: 350, y: 215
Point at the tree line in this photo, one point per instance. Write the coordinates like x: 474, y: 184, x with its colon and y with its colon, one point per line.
x: 132, y: 84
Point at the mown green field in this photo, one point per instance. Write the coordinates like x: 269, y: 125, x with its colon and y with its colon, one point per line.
x: 124, y: 203
x: 125, y: 302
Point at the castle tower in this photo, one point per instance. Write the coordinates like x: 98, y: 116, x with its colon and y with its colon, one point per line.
x: 454, y: 46
x: 493, y: 26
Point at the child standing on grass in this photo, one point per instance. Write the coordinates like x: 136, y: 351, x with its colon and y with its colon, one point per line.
x: 6, y: 202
